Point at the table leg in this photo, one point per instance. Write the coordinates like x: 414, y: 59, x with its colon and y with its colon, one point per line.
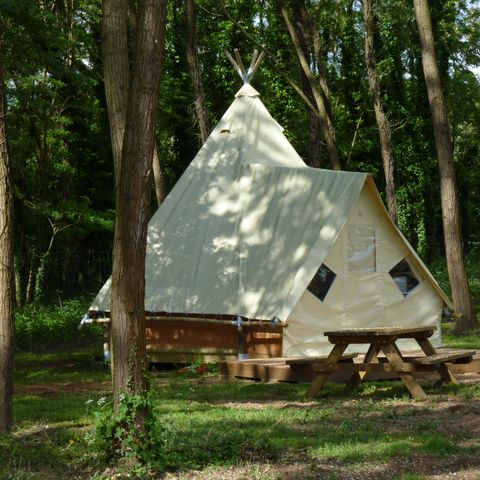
x: 358, y: 377
x: 416, y: 391
x: 321, y: 378
x: 444, y: 372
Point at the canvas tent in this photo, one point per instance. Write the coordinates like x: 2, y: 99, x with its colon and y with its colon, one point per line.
x: 251, y: 231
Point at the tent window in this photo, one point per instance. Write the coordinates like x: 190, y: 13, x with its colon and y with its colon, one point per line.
x: 404, y: 277
x: 321, y: 282
x: 361, y: 248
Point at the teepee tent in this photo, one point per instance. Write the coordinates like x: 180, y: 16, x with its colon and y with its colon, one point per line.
x: 250, y: 232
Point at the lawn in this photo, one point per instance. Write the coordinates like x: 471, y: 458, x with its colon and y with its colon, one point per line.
x: 213, y: 429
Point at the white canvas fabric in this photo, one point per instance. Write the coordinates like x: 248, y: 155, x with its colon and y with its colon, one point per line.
x: 363, y: 293
x: 237, y: 236
x: 248, y: 225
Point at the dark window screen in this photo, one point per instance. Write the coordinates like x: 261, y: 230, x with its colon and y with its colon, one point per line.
x: 321, y: 282
x: 404, y: 277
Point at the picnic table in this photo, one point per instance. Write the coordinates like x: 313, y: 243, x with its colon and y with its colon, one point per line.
x: 383, y: 340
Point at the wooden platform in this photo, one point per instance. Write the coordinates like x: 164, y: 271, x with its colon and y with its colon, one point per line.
x: 184, y: 340
x: 303, y: 369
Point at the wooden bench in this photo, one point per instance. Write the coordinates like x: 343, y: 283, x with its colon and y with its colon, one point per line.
x: 311, y: 360
x: 440, y: 358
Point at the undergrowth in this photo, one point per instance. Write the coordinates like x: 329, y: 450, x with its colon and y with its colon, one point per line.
x: 38, y: 326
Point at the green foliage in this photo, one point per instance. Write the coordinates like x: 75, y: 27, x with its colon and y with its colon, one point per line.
x: 40, y: 326
x: 133, y: 432
x: 472, y: 262
x: 58, y: 125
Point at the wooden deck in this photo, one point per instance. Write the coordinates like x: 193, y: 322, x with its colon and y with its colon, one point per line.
x: 303, y: 369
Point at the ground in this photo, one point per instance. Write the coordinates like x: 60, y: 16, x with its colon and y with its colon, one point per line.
x: 451, y: 416
x: 242, y: 430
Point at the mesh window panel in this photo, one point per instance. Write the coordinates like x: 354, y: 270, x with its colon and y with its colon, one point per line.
x: 404, y: 277
x: 361, y: 248
x: 321, y: 282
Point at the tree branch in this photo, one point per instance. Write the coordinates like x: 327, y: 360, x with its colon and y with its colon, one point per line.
x: 274, y: 59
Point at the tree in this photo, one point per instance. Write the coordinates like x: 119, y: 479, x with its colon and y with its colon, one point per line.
x: 309, y: 36
x: 194, y: 66
x: 448, y: 185
x: 326, y: 123
x: 7, y: 299
x: 383, y: 124
x: 132, y: 98
x: 116, y: 74
x: 58, y: 145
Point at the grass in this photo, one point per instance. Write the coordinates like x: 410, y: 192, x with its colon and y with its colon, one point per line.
x: 215, y: 426
x: 471, y: 340
x: 59, y: 366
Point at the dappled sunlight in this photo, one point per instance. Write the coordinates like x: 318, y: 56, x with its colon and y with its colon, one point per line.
x: 247, y: 225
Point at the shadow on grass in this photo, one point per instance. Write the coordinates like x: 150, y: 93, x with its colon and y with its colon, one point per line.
x: 213, y: 425
x: 208, y: 423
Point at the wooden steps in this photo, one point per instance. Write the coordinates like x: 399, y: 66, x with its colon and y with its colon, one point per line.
x: 304, y: 369
x: 280, y: 369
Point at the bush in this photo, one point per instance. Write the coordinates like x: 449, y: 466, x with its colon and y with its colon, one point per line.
x: 117, y: 435
x: 38, y: 325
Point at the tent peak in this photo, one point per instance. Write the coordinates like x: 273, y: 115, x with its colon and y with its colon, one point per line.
x: 245, y: 75
x: 247, y: 91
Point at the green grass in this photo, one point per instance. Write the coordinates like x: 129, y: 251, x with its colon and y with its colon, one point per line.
x: 470, y: 341
x: 214, y: 425
x: 49, y: 439
x: 82, y: 365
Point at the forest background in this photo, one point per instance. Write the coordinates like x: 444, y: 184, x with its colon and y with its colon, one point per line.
x: 60, y: 142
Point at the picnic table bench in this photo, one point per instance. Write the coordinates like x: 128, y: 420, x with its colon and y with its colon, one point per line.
x: 383, y: 340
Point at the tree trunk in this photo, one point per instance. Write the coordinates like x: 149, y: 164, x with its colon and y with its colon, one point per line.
x: 383, y: 125
x: 133, y: 204
x: 315, y: 39
x: 194, y: 66
x: 158, y: 178
x: 116, y: 72
x: 448, y: 186
x: 326, y: 124
x: 30, y: 288
x: 300, y: 17
x: 7, y: 282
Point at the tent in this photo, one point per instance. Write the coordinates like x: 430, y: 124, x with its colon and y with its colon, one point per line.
x: 251, y: 232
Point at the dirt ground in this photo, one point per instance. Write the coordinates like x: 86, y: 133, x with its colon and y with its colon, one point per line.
x: 58, y: 388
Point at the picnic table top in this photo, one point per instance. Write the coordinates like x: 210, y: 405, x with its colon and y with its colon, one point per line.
x: 381, y: 331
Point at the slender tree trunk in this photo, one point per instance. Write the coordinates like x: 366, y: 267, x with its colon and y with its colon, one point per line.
x: 383, y: 125
x: 116, y: 72
x: 326, y: 124
x: 158, y: 178
x: 313, y: 34
x: 300, y: 19
x: 448, y: 185
x: 7, y: 282
x: 30, y: 288
x: 133, y: 204
x: 194, y: 66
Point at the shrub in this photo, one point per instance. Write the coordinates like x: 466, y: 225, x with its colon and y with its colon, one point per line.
x: 38, y: 325
x: 117, y: 437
